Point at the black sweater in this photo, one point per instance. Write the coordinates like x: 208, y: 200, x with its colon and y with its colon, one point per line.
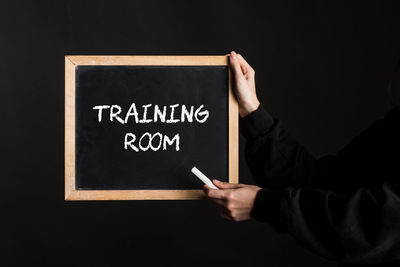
x: 344, y: 207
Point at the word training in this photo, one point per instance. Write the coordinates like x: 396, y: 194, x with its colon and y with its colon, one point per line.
x: 150, y: 113
x: 166, y: 114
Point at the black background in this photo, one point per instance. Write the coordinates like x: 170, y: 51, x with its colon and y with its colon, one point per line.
x: 101, y: 160
x: 321, y: 66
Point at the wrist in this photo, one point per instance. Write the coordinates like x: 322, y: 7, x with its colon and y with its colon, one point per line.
x: 248, y: 108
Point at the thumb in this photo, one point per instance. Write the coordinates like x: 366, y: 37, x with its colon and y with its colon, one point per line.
x: 235, y: 65
x: 223, y: 185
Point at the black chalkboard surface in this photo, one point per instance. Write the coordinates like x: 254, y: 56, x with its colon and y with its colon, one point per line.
x: 139, y: 129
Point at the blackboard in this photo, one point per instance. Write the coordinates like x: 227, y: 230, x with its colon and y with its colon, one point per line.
x: 136, y: 125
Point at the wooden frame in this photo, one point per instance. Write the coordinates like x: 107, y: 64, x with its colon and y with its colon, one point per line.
x: 72, y: 61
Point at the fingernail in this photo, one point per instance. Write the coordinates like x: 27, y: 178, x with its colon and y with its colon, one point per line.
x: 233, y: 54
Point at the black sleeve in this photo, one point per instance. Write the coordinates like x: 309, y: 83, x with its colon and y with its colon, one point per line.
x: 336, y: 212
x: 274, y: 158
x: 359, y: 227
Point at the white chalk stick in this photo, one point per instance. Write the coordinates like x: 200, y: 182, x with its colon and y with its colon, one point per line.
x: 203, y: 178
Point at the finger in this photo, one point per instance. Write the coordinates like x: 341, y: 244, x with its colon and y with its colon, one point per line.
x: 224, y: 185
x: 244, y: 67
x: 243, y: 62
x: 215, y: 193
x: 248, y: 69
x: 206, y: 189
x: 235, y: 65
x: 221, y: 203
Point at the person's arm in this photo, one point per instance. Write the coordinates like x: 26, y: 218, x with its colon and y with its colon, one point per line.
x: 362, y: 226
x: 274, y: 158
x: 357, y: 225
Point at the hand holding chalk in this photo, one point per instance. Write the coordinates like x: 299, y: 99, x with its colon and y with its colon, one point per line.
x: 203, y: 178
